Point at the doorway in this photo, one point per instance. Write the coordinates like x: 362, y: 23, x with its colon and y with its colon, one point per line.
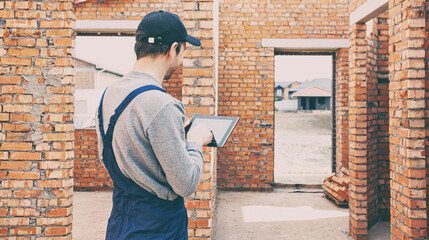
x: 304, y: 123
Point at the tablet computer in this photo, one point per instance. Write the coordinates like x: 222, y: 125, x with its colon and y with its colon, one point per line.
x: 221, y: 127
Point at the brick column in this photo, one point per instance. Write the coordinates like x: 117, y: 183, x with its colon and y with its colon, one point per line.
x: 198, y: 95
x: 36, y: 119
x: 407, y: 124
x: 342, y: 109
x: 358, y: 133
x: 382, y: 118
x: 427, y: 112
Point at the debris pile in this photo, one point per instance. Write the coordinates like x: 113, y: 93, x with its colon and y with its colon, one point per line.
x: 336, y: 187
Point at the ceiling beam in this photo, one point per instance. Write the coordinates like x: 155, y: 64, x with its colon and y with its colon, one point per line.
x: 369, y: 10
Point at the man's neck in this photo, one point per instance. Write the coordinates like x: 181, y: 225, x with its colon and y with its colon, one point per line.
x: 156, y: 67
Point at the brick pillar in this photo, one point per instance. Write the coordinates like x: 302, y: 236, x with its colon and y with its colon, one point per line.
x: 36, y: 119
x: 342, y: 109
x: 382, y: 118
x: 358, y: 133
x: 198, y: 95
x: 407, y: 124
x: 427, y: 112
x: 371, y: 123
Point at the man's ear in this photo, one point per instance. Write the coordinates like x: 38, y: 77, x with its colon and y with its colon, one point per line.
x: 172, y: 52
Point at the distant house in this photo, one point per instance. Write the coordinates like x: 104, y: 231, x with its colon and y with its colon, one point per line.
x: 90, y: 82
x: 92, y: 76
x: 313, y: 95
x: 281, y: 90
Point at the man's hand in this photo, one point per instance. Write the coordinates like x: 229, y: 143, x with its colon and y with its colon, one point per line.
x: 200, y: 134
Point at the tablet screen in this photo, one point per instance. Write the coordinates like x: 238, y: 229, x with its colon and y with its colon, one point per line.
x: 220, y: 126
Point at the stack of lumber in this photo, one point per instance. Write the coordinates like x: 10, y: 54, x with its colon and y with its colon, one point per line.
x: 336, y: 187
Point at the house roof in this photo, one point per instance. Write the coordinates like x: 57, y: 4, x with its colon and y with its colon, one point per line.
x: 100, y: 68
x: 283, y: 84
x: 312, y: 91
x: 323, y: 83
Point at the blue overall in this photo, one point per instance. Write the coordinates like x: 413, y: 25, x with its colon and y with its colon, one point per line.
x: 137, y: 213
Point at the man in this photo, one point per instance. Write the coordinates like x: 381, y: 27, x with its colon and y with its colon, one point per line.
x: 152, y: 163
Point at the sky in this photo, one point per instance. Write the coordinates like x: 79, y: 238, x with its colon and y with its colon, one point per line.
x: 302, y: 68
x: 117, y: 54
x: 113, y: 53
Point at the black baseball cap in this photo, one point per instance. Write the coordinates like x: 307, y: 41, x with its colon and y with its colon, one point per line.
x: 163, y: 27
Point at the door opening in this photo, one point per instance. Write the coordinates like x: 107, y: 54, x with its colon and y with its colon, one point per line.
x: 304, y: 118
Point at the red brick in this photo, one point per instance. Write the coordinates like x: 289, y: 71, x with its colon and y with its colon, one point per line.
x: 19, y: 23
x: 3, y: 212
x: 53, y: 221
x: 60, y: 33
x: 17, y: 183
x: 15, y: 165
x: 27, y: 193
x: 24, y: 212
x: 26, y: 231
x: 63, y: 42
x: 16, y: 127
x: 16, y: 146
x: 10, y: 43
x: 4, y: 117
x: 56, y: 231
x: 6, y: 14
x: 15, y: 61
x: 30, y: 14
x: 26, y: 33
x: 55, y: 24
x: 24, y: 175
x: 60, y: 212
x: 15, y: 221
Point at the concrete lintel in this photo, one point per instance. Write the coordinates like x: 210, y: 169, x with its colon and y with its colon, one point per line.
x: 369, y: 10
x: 110, y: 26
x: 306, y: 44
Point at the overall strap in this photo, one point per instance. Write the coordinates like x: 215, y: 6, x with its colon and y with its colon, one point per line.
x: 107, y: 138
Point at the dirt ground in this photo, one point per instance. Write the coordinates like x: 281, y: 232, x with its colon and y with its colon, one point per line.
x: 303, y: 148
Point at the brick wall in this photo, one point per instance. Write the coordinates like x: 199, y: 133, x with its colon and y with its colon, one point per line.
x: 246, y: 77
x: 407, y: 124
x: 174, y: 85
x: 36, y: 119
x: 124, y: 9
x: 89, y: 173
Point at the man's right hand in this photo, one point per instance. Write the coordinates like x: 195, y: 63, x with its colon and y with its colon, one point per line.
x: 200, y: 134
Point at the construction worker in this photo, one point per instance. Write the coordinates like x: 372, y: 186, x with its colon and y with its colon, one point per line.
x: 153, y: 163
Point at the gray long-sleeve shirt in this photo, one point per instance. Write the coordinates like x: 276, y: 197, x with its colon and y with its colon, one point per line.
x: 149, y: 139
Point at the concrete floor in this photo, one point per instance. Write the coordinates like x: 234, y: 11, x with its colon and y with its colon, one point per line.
x: 279, y: 215
x: 283, y: 214
x: 91, y: 210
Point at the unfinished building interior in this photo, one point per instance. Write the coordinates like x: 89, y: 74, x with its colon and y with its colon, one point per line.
x: 381, y: 101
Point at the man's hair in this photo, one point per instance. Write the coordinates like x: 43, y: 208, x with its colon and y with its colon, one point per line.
x: 143, y: 49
